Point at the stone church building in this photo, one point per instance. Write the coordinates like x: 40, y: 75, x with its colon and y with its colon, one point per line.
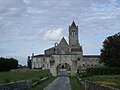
x: 65, y: 56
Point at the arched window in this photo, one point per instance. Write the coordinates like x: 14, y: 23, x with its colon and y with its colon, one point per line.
x: 78, y: 59
x: 83, y: 64
x: 72, y: 33
x: 92, y: 65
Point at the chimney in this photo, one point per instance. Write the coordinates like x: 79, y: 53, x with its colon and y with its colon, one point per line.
x: 28, y: 57
x: 32, y: 54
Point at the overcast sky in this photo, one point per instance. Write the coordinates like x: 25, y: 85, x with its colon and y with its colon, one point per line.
x: 30, y: 26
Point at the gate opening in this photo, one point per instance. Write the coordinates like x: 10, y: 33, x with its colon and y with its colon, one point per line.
x: 63, y: 69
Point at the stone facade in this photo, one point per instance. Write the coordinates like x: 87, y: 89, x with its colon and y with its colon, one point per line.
x: 64, y: 55
x: 41, y: 61
x: 89, y: 61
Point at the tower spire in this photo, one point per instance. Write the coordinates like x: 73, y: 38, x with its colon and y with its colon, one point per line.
x: 73, y: 35
x: 73, y: 24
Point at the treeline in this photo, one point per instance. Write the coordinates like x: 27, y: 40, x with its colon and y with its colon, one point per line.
x: 8, y: 63
x: 110, y: 53
x: 104, y: 71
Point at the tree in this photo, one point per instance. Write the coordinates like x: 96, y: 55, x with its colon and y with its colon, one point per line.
x: 8, y: 63
x: 110, y: 54
x: 29, y: 64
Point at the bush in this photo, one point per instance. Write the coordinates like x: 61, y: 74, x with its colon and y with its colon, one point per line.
x: 35, y: 80
x: 84, y: 74
x: 6, y: 81
x: 104, y: 71
x: 41, y: 77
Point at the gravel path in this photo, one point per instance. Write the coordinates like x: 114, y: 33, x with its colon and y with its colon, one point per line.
x: 60, y: 83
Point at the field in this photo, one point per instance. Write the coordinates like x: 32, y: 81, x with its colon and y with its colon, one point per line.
x: 6, y: 77
x: 75, y: 85
x: 110, y: 80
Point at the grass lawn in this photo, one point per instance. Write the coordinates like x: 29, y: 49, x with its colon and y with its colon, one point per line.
x: 110, y: 80
x: 6, y: 77
x: 44, y: 84
x: 75, y: 84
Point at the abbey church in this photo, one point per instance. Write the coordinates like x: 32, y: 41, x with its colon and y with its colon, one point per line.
x: 65, y: 55
x: 63, y: 47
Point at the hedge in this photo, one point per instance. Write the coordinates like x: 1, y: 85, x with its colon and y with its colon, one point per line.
x: 104, y: 71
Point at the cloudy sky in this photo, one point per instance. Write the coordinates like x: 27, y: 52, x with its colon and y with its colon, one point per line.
x: 28, y: 26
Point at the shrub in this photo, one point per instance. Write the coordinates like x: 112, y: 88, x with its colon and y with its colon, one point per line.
x: 104, y: 71
x: 6, y: 81
x: 35, y: 80
x: 85, y: 74
x: 40, y: 77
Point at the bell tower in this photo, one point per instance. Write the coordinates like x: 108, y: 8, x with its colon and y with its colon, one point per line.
x: 73, y: 35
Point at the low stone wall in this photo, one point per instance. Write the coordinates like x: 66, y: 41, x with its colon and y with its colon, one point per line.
x: 89, y: 85
x: 20, y: 85
x: 80, y: 80
x: 20, y: 70
x: 41, y: 81
x: 93, y: 86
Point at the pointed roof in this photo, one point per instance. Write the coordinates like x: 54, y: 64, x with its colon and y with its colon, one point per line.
x: 73, y: 24
x: 63, y: 41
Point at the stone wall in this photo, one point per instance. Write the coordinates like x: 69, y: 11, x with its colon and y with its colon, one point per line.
x: 20, y: 70
x: 20, y: 85
x: 93, y: 86
x: 41, y: 81
x: 71, y: 60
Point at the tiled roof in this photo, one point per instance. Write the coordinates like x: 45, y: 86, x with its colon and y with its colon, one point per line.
x: 63, y: 41
x: 76, y: 50
x: 41, y: 55
x: 52, y: 48
x: 91, y: 56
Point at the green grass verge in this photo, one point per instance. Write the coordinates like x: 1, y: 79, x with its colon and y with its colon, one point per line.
x: 6, y: 77
x: 75, y: 84
x: 110, y: 80
x: 44, y: 84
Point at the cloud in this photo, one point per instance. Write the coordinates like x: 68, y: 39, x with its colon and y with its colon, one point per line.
x: 91, y: 46
x: 54, y: 34
x: 4, y: 51
x: 100, y: 20
x: 32, y: 23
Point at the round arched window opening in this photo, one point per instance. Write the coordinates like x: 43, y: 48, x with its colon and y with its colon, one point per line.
x: 78, y: 59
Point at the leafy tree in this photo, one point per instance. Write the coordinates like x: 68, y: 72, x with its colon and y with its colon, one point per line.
x: 110, y: 54
x: 8, y: 63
